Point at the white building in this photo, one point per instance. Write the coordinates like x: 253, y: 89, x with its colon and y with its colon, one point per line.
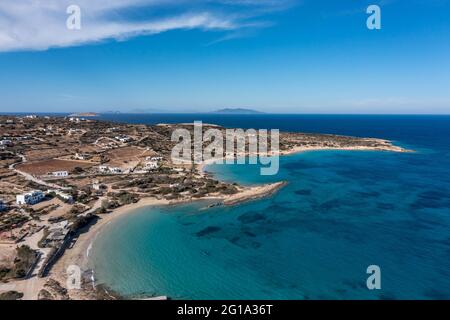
x: 30, y: 198
x: 6, y: 142
x: 123, y: 139
x: 154, y: 158
x: 105, y: 169
x: 151, y: 165
x: 66, y: 197
x: 60, y: 174
x: 82, y: 156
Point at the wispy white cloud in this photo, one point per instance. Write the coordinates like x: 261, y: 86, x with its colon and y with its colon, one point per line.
x: 41, y: 24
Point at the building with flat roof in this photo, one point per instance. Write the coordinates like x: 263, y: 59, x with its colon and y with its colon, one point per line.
x: 30, y: 198
x: 60, y: 174
x: 6, y: 142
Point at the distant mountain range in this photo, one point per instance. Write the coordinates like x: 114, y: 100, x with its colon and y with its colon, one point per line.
x: 237, y: 111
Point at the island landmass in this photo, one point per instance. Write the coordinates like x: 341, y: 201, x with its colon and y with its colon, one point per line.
x: 63, y: 178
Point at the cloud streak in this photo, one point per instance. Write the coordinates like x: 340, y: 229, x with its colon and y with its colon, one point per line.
x: 41, y: 24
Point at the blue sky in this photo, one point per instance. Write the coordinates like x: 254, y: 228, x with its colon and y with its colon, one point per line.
x: 305, y: 56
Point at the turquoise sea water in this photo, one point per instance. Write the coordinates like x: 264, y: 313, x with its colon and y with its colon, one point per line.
x: 341, y: 212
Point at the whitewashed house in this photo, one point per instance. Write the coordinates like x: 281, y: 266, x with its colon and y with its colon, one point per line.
x: 6, y: 142
x: 151, y: 165
x: 60, y: 174
x: 66, y: 197
x: 30, y: 198
x: 123, y: 139
x: 82, y: 156
x: 105, y: 169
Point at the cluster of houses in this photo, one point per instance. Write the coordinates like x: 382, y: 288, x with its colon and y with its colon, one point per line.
x: 76, y: 119
x: 151, y: 163
x: 8, y: 141
x: 112, y: 170
x: 124, y: 139
x: 36, y: 196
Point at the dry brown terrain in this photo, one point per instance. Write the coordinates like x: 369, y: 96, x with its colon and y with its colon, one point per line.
x: 41, y: 168
x: 129, y: 156
x: 7, y: 255
x: 42, y: 154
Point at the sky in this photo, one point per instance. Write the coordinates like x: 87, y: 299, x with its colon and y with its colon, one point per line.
x: 278, y: 56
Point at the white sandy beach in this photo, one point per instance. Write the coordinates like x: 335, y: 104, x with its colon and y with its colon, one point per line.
x: 78, y: 254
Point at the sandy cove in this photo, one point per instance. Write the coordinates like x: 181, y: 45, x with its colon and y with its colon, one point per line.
x: 299, y: 149
x: 79, y: 253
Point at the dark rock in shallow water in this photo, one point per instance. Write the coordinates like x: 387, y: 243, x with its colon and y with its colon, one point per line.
x: 245, y: 243
x: 331, y: 204
x: 251, y: 217
x: 234, y: 240
x: 250, y: 234
x: 431, y: 200
x: 303, y: 192
x: 207, y: 231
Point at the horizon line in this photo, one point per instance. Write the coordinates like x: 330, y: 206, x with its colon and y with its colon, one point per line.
x: 259, y: 113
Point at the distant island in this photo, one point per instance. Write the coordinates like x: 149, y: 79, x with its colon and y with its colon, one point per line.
x: 237, y: 111
x: 84, y: 114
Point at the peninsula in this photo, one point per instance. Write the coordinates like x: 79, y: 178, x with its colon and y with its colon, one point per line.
x: 63, y: 178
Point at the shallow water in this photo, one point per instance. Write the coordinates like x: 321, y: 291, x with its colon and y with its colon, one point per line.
x: 341, y: 212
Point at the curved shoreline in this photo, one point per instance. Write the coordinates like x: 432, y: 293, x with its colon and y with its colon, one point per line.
x: 78, y: 254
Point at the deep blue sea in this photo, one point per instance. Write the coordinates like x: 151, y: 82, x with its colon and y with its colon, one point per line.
x: 341, y: 212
